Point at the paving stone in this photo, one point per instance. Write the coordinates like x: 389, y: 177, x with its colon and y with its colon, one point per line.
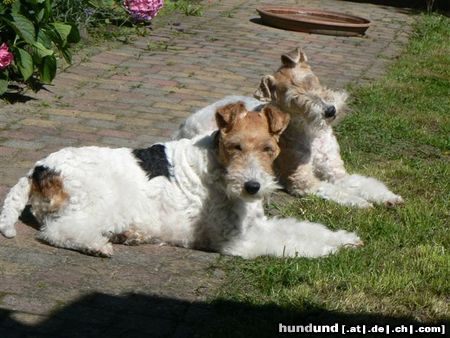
x: 21, y: 144
x: 27, y: 318
x: 27, y: 304
x: 40, y: 123
x: 116, y: 133
x: 102, y: 124
x: 5, y: 151
x: 119, y: 142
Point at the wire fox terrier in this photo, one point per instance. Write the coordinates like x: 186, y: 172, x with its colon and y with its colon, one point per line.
x: 310, y: 160
x: 204, y: 193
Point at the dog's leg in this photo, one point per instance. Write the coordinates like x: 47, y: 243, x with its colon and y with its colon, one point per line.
x: 370, y: 189
x: 76, y: 233
x: 325, y: 152
x: 303, y: 182
x: 133, y: 237
x: 290, y: 238
x: 340, y: 195
x: 347, y: 189
x: 15, y: 202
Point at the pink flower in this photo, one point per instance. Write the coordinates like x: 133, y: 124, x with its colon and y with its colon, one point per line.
x: 6, y: 56
x: 143, y: 10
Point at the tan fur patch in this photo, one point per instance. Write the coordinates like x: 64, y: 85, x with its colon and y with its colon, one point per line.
x: 250, y: 133
x: 49, y: 189
x: 293, y: 78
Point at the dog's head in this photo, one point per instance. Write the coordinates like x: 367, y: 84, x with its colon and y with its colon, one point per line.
x: 248, y: 146
x: 297, y: 90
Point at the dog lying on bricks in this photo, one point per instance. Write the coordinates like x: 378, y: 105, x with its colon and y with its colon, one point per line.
x: 204, y: 193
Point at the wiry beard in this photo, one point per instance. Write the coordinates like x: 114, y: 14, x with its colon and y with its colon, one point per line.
x: 235, y: 178
x: 310, y: 106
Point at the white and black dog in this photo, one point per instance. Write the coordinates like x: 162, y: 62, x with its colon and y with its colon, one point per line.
x: 203, y: 193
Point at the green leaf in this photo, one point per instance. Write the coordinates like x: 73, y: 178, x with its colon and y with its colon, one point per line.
x: 48, y: 9
x: 23, y: 27
x: 63, y: 31
x: 44, y: 38
x: 15, y: 7
x: 74, y: 35
x: 25, y: 63
x: 48, y: 69
x: 52, y: 37
x: 67, y: 55
x: 41, y: 50
x: 40, y: 15
x: 96, y: 3
x: 3, y: 86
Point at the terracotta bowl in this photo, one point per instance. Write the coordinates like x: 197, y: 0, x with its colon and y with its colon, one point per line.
x: 313, y: 20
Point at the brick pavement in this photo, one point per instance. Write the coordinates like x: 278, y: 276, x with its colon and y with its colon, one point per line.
x: 134, y: 94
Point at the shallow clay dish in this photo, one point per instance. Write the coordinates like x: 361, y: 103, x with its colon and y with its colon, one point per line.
x: 313, y: 20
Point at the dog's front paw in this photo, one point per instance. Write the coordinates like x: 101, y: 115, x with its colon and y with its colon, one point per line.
x: 105, y: 251
x: 349, y: 239
x: 361, y: 203
x: 394, y: 201
x: 8, y: 232
x: 296, y: 192
x: 354, y: 201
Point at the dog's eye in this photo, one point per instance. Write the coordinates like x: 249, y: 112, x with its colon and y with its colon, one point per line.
x: 237, y: 147
x: 268, y: 149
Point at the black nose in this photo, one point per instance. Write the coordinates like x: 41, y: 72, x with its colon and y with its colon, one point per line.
x: 330, y: 111
x: 252, y: 187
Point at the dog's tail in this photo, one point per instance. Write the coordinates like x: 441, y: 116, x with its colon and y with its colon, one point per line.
x: 15, y: 202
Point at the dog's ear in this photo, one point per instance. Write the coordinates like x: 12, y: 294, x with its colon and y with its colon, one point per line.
x: 293, y: 57
x: 303, y: 57
x: 266, y: 91
x: 227, y: 116
x: 278, y: 120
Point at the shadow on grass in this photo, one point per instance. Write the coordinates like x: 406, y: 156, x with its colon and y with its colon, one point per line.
x: 139, y: 315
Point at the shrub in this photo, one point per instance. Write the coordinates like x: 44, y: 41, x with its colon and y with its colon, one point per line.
x: 89, y: 13
x: 30, y: 38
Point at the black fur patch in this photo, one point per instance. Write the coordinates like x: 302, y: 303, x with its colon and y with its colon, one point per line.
x: 41, y: 173
x: 154, y: 161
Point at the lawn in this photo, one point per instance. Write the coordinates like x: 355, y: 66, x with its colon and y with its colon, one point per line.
x: 399, y: 132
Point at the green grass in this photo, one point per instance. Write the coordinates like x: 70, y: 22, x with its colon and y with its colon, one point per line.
x: 399, y: 132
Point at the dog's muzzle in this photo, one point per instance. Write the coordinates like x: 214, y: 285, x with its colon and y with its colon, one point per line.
x: 330, y: 111
x: 252, y: 187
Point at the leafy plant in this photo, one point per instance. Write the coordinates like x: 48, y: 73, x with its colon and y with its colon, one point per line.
x: 90, y: 13
x: 33, y: 37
